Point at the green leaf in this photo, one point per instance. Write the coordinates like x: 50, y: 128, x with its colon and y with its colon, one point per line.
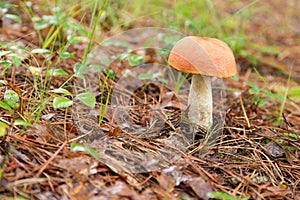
x: 5, y: 106
x: 146, y: 77
x: 5, y: 63
x: 163, y: 52
x: 254, y: 89
x: 290, y: 148
x: 61, y: 102
x: 3, y: 128
x: 44, y: 22
x: 64, y: 54
x: 109, y: 73
x: 223, y: 195
x: 87, y: 98
x: 40, y: 51
x: 61, y: 91
x: 14, y: 18
x: 3, y: 53
x: 252, y: 85
x: 260, y: 102
x: 72, y: 39
x: 16, y: 60
x: 135, y: 60
x: 153, y: 76
x: 294, y: 93
x: 162, y: 80
x: 291, y: 135
x: 234, y: 78
x: 123, y: 56
x: 11, y: 98
x: 80, y: 69
x: 20, y: 122
x: 18, y: 47
x: 79, y: 148
x: 56, y: 72
x: 275, y: 96
x: 41, y: 25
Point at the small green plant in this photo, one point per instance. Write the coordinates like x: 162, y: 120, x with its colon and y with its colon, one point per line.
x: 11, y: 55
x: 23, y: 123
x: 291, y: 135
x: 61, y: 101
x: 103, y: 106
x: 90, y: 151
x: 3, y: 129
x: 87, y: 98
x: 11, y: 98
x: 5, y: 7
x: 225, y: 196
x: 11, y: 104
x: 153, y: 77
x: 255, y: 90
x: 261, y: 94
x: 59, y: 23
x: 5, y: 106
x: 133, y: 59
x: 52, y: 28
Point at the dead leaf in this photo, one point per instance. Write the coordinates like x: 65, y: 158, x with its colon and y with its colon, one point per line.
x: 82, y: 164
x: 200, y: 187
x: 274, y: 149
x: 121, y: 189
x: 166, y: 182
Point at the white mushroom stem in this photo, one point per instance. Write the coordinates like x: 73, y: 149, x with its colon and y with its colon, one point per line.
x: 200, y: 101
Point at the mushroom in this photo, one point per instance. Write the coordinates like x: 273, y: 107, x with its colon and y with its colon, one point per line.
x: 204, y: 58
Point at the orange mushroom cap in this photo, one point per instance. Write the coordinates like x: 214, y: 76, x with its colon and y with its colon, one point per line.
x: 203, y: 55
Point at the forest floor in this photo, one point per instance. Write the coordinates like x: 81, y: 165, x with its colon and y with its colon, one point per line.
x: 53, y: 146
